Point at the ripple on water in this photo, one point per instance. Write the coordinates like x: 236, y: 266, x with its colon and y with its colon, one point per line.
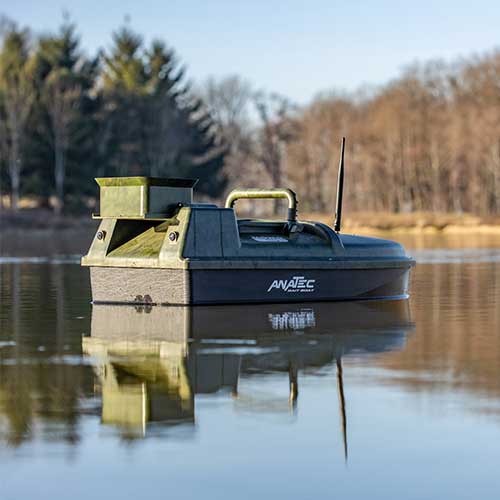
x: 456, y: 255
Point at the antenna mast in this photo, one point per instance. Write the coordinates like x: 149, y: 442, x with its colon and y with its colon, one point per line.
x: 340, y: 188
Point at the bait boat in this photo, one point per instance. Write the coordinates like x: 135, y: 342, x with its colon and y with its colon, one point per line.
x: 155, y: 246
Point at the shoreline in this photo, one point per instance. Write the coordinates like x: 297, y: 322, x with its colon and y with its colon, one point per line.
x: 43, y: 219
x: 426, y: 230
x: 416, y: 223
x: 360, y: 223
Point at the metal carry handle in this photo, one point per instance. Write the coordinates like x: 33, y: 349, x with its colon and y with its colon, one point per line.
x: 288, y: 194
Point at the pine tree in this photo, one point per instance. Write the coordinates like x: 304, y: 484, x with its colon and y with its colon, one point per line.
x: 156, y: 127
x: 66, y: 79
x: 124, y: 84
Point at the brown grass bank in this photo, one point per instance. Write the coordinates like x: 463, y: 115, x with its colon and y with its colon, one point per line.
x: 358, y: 222
x: 416, y: 222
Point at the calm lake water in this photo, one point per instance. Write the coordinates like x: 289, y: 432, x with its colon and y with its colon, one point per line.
x: 347, y: 400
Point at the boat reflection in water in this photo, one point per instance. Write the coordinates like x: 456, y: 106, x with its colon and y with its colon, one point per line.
x: 152, y: 361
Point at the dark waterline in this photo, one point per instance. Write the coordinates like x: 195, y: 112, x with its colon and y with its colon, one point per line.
x: 351, y: 400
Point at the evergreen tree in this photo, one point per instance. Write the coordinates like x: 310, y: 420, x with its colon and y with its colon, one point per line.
x: 64, y: 119
x: 155, y: 126
x: 124, y: 84
x: 66, y: 79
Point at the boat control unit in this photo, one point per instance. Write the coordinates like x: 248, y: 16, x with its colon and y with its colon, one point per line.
x: 155, y: 246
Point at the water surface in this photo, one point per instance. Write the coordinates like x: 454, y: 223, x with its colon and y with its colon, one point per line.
x: 351, y: 400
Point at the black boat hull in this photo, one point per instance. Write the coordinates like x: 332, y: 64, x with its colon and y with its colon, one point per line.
x: 233, y: 286
x: 254, y: 286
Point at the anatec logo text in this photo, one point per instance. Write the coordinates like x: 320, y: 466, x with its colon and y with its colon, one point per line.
x: 299, y: 284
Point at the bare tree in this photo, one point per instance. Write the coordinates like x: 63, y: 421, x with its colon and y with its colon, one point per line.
x: 228, y: 101
x: 313, y: 154
x: 4, y: 152
x: 277, y: 128
x: 427, y: 141
x: 16, y: 87
x: 62, y: 96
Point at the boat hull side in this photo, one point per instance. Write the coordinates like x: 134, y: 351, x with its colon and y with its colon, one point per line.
x: 232, y: 286
x: 254, y: 286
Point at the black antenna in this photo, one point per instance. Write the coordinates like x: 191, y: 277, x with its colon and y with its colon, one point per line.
x: 340, y: 188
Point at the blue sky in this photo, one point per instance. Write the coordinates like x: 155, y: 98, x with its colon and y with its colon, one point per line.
x: 293, y: 47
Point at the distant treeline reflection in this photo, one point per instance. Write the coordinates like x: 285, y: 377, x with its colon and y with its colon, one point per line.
x: 47, y: 388
x: 457, y: 346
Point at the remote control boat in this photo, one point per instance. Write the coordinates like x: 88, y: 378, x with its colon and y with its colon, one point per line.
x: 155, y: 246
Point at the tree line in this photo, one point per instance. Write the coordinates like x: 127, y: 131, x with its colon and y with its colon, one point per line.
x: 430, y: 140
x: 427, y: 140
x: 66, y: 117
